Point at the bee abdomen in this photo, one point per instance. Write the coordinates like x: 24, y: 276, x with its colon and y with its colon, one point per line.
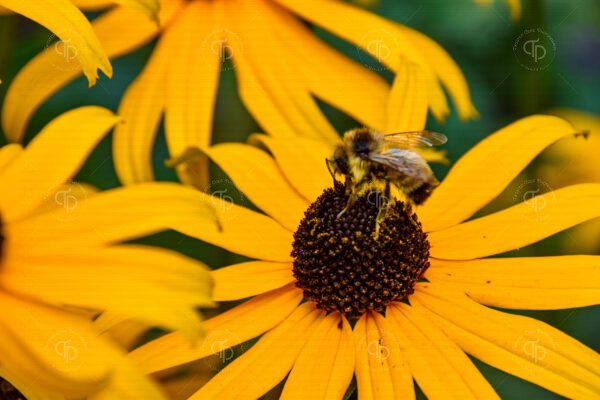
x: 421, y: 193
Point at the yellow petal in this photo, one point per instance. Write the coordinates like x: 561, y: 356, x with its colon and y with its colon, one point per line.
x: 381, y: 364
x: 407, y: 105
x: 518, y: 345
x: 274, y: 355
x: 446, y: 69
x: 375, y: 35
x: 66, y: 357
x: 124, y: 331
x: 302, y: 161
x: 143, y: 209
x: 518, y: 226
x: 92, y: 5
x: 250, y: 278
x: 149, y: 7
x: 191, y: 86
x: 120, y: 31
x: 235, y: 326
x: 8, y: 154
x: 364, y: 97
x: 488, y: 168
x: 157, y: 286
x: 257, y: 176
x: 70, y: 25
x: 277, y: 75
x: 52, y: 157
x: 141, y: 107
x: 537, y: 283
x: 325, y: 365
x: 439, y: 366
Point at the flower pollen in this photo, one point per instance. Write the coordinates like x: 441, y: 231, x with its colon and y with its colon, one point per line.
x: 341, y: 266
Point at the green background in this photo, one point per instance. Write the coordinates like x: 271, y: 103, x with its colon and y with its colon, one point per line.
x: 479, y: 38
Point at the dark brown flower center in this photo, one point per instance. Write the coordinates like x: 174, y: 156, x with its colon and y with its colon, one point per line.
x: 340, y: 264
x: 9, y: 392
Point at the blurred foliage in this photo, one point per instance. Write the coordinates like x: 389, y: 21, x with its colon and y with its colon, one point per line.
x: 479, y: 38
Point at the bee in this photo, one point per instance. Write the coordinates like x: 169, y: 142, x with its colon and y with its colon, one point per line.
x: 373, y: 161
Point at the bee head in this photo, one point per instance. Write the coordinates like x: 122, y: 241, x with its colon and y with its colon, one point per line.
x: 339, y: 161
x: 361, y: 142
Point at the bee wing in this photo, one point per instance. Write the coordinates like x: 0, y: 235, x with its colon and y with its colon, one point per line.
x: 404, y: 161
x: 416, y: 138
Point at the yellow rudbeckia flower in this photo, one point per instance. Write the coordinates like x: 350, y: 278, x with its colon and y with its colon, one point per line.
x: 575, y: 160
x: 61, y: 264
x: 315, y: 274
x: 280, y: 64
x: 68, y: 23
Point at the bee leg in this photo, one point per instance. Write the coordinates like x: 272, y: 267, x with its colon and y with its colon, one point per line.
x: 328, y: 162
x: 351, y: 200
x: 385, y: 202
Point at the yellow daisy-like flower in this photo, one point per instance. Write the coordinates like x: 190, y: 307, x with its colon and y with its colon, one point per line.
x: 61, y: 264
x: 68, y: 23
x: 575, y: 160
x: 405, y: 327
x: 280, y: 64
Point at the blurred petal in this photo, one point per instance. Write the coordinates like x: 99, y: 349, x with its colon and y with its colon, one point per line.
x: 29, y: 336
x: 120, y: 31
x: 301, y: 160
x: 8, y: 154
x: 485, y: 170
x: 149, y: 7
x: 407, y: 105
x: 274, y: 355
x: 518, y: 226
x: 192, y: 83
x: 141, y: 107
x: 249, y: 279
x: 70, y: 25
x: 439, y: 366
x: 521, y: 346
x: 446, y: 69
x: 328, y: 378
x: 256, y: 174
x: 237, y: 325
x: 52, y: 157
x: 157, y: 286
x: 340, y: 81
x: 381, y: 365
x: 278, y: 76
x: 535, y: 283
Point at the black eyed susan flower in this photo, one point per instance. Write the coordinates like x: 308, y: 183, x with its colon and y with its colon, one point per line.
x: 77, y: 36
x: 331, y: 302
x: 61, y: 264
x: 280, y: 64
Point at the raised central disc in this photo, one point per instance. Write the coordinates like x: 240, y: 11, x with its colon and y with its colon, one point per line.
x: 342, y: 267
